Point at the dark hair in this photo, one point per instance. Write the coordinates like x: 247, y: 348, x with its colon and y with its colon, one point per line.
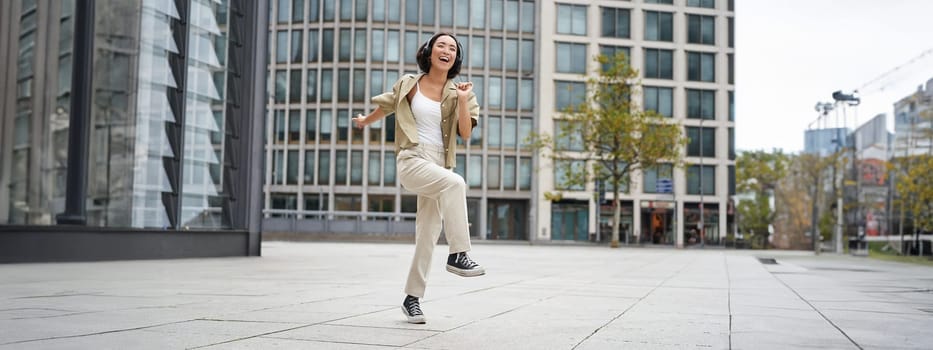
x: 424, y: 55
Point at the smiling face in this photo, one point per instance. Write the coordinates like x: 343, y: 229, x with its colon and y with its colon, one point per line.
x: 444, y: 53
x: 440, y: 54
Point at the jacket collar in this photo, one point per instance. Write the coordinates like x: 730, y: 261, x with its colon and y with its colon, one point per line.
x: 450, y: 90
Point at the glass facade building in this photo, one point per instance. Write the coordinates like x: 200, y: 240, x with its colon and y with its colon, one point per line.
x: 171, y: 114
x: 328, y: 58
x: 526, y: 60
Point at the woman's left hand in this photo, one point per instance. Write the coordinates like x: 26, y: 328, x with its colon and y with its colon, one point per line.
x: 464, y: 89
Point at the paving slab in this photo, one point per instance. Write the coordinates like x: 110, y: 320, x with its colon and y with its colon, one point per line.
x: 347, y: 296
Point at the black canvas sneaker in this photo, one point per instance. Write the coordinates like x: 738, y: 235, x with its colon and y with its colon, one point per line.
x: 412, y: 309
x: 461, y: 264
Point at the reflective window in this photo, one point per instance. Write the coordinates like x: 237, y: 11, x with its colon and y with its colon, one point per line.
x: 731, y: 144
x: 477, y: 52
x: 478, y: 14
x: 313, y: 7
x: 392, y: 44
x: 731, y: 106
x: 343, y: 85
x: 292, y: 177
x: 327, y: 45
x: 346, y: 43
x: 508, y: 173
x: 310, y: 126
x: 340, y: 168
x: 615, y: 22
x: 360, y: 49
x: 571, y: 57
x: 701, y: 66
x: 475, y: 171
x: 312, y: 45
x: 659, y: 99
x: 446, y: 13
x: 281, y: 46
x: 327, y: 126
x: 666, y: 2
x: 323, y: 168
x: 511, y: 93
x: 411, y: 11
x: 528, y: 56
x: 525, y: 127
x: 508, y: 132
x: 511, y: 54
x: 411, y: 47
x: 572, y: 19
x: 375, y: 167
x: 702, y: 142
x: 329, y: 10
x: 568, y: 94
x: 281, y: 85
x: 327, y: 85
x: 377, y: 47
x: 495, y: 14
x: 359, y: 85
x: 379, y: 10
x: 360, y: 10
x: 528, y: 16
x: 280, y: 126
x: 701, y: 29
x: 346, y: 9
x: 563, y: 172
x: 492, y: 173
x: 702, y: 3
x: 611, y: 51
x: 298, y: 11
x: 395, y: 11
x: 495, y: 53
x: 294, y: 126
x: 348, y: 203
x: 659, y: 64
x: 701, y: 104
x: 526, y: 95
x: 706, y: 177
x: 283, y: 7
x: 494, y: 130
x: 356, y: 163
x: 462, y: 15
x: 511, y: 15
x: 659, y: 26
x: 650, y: 177
x: 495, y: 92
x: 524, y: 176
x: 294, y: 86
x: 309, y: 168
x: 296, y: 46
x: 568, y: 135
x: 389, y: 171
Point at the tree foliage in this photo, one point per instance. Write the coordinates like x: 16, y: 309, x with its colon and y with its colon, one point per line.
x: 610, y: 134
x: 757, y: 174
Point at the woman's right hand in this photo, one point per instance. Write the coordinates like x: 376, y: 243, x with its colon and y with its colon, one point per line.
x: 360, y: 121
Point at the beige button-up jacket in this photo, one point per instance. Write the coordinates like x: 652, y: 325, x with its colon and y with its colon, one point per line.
x: 406, y: 131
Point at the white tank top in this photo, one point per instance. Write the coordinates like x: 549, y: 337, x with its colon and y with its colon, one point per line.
x: 427, y: 117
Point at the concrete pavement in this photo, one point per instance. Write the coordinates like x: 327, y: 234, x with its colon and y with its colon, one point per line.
x: 347, y: 296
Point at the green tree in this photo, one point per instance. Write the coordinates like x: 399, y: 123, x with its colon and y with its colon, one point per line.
x: 611, y: 134
x: 757, y: 174
x: 916, y: 188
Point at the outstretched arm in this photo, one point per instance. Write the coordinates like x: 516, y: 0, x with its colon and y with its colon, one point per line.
x: 362, y: 121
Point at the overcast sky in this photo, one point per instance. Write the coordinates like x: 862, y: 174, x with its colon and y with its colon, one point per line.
x: 791, y: 54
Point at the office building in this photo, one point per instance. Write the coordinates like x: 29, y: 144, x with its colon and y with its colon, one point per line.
x: 173, y: 107
x: 330, y: 58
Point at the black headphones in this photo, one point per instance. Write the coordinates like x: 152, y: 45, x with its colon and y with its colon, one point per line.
x: 426, y: 48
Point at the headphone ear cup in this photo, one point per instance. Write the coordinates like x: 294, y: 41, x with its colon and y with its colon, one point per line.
x: 459, y: 53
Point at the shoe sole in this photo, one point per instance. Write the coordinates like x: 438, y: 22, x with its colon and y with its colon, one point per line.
x: 413, y: 319
x: 479, y: 271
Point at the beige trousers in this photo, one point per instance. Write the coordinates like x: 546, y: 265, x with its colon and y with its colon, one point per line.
x: 441, y: 199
